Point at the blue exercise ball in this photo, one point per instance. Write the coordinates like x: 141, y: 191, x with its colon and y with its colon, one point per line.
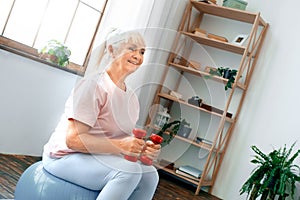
x: 38, y: 184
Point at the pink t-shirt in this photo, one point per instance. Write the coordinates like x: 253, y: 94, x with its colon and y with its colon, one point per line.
x: 99, y: 103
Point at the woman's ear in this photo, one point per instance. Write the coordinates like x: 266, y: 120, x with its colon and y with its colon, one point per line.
x: 110, y: 50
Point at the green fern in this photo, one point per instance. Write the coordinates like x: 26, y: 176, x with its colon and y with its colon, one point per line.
x: 275, y: 173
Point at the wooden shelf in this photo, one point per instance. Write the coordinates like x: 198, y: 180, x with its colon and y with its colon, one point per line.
x: 201, y: 145
x: 226, y: 12
x: 192, y: 19
x: 204, y: 74
x: 216, y: 43
x: 194, y: 181
x: 172, y: 98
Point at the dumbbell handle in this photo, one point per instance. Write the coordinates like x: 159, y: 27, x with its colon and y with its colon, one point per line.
x: 156, y: 139
x: 138, y: 133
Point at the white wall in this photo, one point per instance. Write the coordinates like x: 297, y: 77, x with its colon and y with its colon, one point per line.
x: 32, y: 100
x: 269, y: 117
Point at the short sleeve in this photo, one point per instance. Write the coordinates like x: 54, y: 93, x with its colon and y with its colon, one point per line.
x: 85, y: 102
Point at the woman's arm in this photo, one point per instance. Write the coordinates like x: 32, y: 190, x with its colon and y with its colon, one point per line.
x: 80, y: 140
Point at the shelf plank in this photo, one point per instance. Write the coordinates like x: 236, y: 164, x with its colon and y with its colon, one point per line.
x: 193, y: 181
x: 226, y: 12
x: 204, y: 74
x: 201, y: 145
x: 172, y: 98
x: 198, y: 72
x: 216, y: 43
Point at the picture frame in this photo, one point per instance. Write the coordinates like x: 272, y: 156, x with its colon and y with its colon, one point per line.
x: 240, y: 39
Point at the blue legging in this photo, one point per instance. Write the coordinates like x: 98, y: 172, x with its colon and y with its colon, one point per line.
x: 116, y: 177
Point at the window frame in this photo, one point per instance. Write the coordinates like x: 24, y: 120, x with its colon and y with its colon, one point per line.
x: 32, y: 53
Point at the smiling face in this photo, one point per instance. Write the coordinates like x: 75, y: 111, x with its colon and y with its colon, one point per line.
x: 129, y: 55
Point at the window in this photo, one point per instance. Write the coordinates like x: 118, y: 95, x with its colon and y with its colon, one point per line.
x: 26, y: 26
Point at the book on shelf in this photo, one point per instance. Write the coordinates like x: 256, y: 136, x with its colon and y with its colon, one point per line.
x: 198, y: 140
x: 207, y: 141
x: 185, y: 175
x: 196, y: 173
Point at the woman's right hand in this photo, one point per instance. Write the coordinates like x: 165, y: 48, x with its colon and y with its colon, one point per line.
x: 131, y: 146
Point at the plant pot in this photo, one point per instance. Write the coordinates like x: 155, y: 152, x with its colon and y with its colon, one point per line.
x: 227, y: 74
x: 184, y: 131
x: 49, y: 58
x: 195, y: 100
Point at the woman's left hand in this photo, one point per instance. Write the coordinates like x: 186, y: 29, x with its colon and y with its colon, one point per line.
x: 151, y: 150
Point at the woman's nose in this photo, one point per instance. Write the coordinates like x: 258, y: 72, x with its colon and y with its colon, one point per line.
x: 138, y: 56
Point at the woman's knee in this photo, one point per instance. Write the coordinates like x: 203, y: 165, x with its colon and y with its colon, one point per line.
x: 128, y: 177
x: 152, y: 178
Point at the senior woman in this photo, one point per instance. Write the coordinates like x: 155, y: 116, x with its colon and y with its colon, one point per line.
x: 95, y: 132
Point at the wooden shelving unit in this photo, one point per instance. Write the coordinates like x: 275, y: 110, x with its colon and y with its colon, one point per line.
x: 174, y: 99
x: 249, y: 55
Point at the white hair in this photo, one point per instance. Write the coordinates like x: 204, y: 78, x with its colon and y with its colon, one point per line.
x: 115, y: 38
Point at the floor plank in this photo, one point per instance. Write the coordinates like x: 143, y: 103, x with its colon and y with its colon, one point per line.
x: 12, y: 166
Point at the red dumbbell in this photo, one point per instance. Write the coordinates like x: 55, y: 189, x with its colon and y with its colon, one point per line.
x: 138, y: 133
x: 156, y: 139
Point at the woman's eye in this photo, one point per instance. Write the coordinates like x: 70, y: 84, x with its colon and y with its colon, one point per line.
x: 142, y: 51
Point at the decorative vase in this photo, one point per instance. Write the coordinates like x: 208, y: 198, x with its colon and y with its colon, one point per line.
x: 184, y: 131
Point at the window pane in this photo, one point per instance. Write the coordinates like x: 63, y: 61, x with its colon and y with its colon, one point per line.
x: 24, y: 21
x: 56, y: 21
x: 34, y: 22
x: 97, y: 4
x: 81, y: 32
x: 5, y: 6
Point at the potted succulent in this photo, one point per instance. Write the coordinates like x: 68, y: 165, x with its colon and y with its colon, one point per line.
x: 275, y: 175
x: 55, y: 52
x: 225, y: 73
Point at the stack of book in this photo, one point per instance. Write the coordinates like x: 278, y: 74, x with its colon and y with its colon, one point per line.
x: 189, y: 172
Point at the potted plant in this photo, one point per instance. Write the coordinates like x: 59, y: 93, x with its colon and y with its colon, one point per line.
x: 172, y: 128
x: 275, y: 175
x: 225, y: 73
x: 55, y: 52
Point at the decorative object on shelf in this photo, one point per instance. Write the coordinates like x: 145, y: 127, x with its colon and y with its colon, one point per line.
x: 200, y: 32
x: 225, y: 73
x: 214, y: 109
x: 240, y: 39
x: 198, y: 140
x: 192, y: 171
x: 208, y: 1
x: 55, y: 52
x: 176, y: 94
x: 194, y: 64
x: 162, y: 118
x: 184, y: 129
x: 181, y: 61
x: 184, y: 62
x: 204, y: 33
x: 195, y: 100
x: 237, y: 4
x: 172, y: 128
x: 274, y: 175
x: 217, y: 37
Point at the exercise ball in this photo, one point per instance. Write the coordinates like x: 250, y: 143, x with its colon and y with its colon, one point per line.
x: 38, y: 184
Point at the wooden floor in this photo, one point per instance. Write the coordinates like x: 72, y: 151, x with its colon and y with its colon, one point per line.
x: 12, y: 166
